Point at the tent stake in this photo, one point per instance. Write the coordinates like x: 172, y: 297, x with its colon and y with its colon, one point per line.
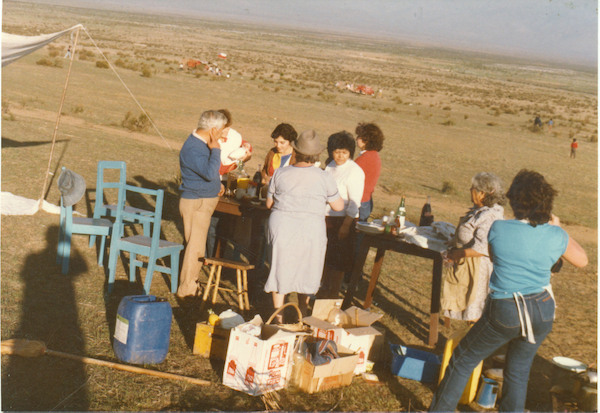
x: 62, y: 101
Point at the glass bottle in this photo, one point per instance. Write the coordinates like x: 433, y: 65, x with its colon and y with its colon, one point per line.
x: 426, y: 215
x: 401, y: 213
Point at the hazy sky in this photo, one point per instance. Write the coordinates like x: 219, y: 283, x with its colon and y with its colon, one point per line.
x: 555, y: 29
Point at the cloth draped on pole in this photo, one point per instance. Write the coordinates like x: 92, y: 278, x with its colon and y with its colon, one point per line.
x: 15, y: 46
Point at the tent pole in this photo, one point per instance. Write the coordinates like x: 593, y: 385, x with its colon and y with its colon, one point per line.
x: 62, y: 101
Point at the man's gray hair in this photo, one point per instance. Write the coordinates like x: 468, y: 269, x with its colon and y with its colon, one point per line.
x: 492, y: 186
x: 211, y: 119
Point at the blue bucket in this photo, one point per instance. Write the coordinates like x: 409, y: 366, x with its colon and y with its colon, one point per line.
x: 143, y: 329
x: 488, y: 393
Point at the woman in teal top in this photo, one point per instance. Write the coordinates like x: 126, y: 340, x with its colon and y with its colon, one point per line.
x: 520, y: 308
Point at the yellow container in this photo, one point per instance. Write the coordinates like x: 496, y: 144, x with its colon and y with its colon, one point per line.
x: 211, y: 341
x: 243, y: 183
x: 471, y: 388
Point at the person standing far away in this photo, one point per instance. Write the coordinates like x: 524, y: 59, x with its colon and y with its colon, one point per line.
x: 68, y: 54
x: 199, y: 160
x: 550, y: 124
x: 574, y: 146
x: 369, y: 139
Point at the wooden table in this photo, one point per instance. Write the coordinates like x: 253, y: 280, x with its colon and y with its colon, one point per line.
x: 383, y: 243
x: 257, y: 214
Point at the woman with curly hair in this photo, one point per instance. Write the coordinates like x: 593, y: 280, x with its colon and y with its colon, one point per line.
x: 519, y: 311
x: 369, y: 139
x: 463, y: 299
x: 350, y: 180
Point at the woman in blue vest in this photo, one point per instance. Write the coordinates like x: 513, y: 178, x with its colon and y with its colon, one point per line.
x: 520, y: 308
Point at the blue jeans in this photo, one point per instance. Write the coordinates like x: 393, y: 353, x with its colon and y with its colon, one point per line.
x: 498, y: 325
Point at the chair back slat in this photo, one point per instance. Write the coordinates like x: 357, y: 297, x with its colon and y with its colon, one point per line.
x: 101, y: 184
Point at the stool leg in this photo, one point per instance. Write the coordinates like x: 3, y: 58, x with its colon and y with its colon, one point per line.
x: 207, y: 289
x: 217, y: 281
x: 245, y: 281
x: 240, y: 292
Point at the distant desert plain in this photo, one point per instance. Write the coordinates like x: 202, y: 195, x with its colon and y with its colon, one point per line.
x: 446, y: 115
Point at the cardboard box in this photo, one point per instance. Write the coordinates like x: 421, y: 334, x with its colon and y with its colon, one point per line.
x: 357, y: 334
x: 366, y: 342
x: 211, y: 341
x: 257, y: 365
x: 337, y: 373
x: 414, y: 364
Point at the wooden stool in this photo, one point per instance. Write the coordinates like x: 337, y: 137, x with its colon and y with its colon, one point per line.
x: 241, y: 269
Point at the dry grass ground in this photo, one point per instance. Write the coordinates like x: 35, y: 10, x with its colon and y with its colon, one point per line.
x: 446, y: 117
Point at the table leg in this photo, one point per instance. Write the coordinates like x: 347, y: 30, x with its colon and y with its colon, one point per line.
x: 359, y: 263
x: 374, y: 277
x: 436, y: 286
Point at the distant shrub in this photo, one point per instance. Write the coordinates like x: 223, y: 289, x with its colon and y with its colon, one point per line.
x: 86, y: 55
x: 466, y: 116
x: 139, y: 124
x: 491, y: 124
x: 77, y: 109
x: 146, y: 72
x: 102, y: 64
x: 593, y: 138
x: 448, y: 187
x: 389, y: 110
x: 53, y: 53
x: 446, y: 108
x: 50, y: 63
x: 449, y: 122
x: 418, y: 112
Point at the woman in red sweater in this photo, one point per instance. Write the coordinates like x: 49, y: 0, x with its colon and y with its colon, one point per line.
x: 369, y: 140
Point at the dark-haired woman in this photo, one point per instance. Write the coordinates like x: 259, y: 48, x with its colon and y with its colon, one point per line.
x: 369, y: 139
x: 282, y: 154
x: 297, y: 196
x: 350, y: 180
x: 520, y: 309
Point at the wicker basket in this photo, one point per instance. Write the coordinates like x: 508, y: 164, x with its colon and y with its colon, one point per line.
x: 298, y: 327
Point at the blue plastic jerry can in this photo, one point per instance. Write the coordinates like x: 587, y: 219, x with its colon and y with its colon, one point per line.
x: 142, y: 329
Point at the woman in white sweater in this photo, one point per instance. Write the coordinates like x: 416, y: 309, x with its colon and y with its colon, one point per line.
x: 350, y: 180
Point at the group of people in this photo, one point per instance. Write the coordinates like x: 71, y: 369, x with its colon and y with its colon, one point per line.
x: 311, y: 233
x: 508, y: 297
x: 313, y: 209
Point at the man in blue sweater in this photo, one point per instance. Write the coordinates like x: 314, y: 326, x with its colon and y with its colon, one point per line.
x: 199, y: 160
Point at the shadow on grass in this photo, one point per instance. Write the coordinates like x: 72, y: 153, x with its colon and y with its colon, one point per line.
x: 49, y: 314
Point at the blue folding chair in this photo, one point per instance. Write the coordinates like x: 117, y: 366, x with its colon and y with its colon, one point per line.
x: 70, y: 225
x: 134, y: 216
x: 150, y: 246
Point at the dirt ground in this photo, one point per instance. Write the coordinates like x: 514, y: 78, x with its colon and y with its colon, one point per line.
x: 445, y: 115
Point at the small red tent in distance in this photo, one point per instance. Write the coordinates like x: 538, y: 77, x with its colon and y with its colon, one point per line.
x: 223, y: 55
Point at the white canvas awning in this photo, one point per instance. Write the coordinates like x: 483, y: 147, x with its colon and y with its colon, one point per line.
x: 15, y: 46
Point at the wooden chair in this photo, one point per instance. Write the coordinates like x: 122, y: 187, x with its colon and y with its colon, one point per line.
x: 150, y: 246
x: 69, y: 225
x: 241, y: 269
x: 134, y: 215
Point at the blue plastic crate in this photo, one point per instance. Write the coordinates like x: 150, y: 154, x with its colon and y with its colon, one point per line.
x: 414, y: 364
